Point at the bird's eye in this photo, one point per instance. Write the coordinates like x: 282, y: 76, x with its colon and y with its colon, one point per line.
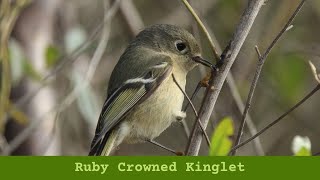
x: 181, y: 46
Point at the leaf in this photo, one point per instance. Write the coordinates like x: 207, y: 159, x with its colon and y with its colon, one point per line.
x: 52, y: 56
x: 30, y: 71
x: 301, y: 146
x: 288, y: 74
x: 303, y: 152
x: 220, y: 141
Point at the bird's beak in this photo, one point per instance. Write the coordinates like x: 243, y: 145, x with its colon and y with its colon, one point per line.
x: 198, y: 59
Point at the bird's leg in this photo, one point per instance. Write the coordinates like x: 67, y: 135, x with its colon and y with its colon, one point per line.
x: 164, y: 147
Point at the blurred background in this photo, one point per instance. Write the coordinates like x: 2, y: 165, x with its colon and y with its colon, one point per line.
x: 61, y: 54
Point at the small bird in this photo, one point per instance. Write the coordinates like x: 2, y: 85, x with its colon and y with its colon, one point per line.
x: 143, y: 96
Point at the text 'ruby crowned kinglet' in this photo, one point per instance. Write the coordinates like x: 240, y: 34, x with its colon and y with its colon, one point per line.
x: 143, y: 95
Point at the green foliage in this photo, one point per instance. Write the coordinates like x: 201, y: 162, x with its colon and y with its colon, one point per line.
x: 303, y: 152
x: 52, y: 56
x: 289, y: 74
x: 220, y: 142
x: 30, y: 71
x: 20, y: 66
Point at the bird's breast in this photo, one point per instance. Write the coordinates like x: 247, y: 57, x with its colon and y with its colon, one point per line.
x: 149, y: 119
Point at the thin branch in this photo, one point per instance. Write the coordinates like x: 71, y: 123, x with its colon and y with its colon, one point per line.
x: 316, y: 89
x: 163, y: 147
x: 262, y: 60
x: 251, y: 126
x: 217, y: 79
x: 8, y: 18
x: 316, y: 154
x: 184, y: 124
x: 185, y: 127
x: 234, y: 92
x: 194, y: 110
x: 214, y: 50
x: 258, y: 51
x: 240, y: 104
x: 314, y: 71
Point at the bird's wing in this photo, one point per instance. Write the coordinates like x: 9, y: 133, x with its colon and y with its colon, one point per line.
x: 131, y: 93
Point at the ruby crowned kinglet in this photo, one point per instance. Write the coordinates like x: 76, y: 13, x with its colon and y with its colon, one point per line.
x: 143, y: 95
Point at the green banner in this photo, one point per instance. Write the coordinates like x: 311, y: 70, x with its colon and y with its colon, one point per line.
x: 159, y: 167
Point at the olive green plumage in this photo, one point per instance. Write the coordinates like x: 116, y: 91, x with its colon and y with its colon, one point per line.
x: 143, y: 100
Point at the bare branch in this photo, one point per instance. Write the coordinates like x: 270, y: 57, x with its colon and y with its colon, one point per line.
x: 8, y: 16
x: 214, y: 50
x: 258, y: 51
x: 262, y: 60
x: 240, y: 104
x: 194, y: 110
x: 251, y: 126
x: 163, y: 147
x: 235, y: 94
x: 316, y: 154
x: 314, y: 71
x: 184, y: 124
x: 217, y: 81
x: 316, y: 89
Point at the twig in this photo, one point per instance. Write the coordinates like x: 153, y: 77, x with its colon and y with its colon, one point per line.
x: 8, y: 18
x: 316, y: 154
x: 162, y: 147
x: 262, y: 59
x: 214, y: 50
x: 314, y: 71
x: 234, y: 92
x: 184, y: 124
x: 240, y: 104
x: 194, y: 110
x: 317, y: 88
x: 251, y: 126
x: 217, y: 81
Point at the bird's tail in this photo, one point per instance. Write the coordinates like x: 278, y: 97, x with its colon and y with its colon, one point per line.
x: 106, y: 145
